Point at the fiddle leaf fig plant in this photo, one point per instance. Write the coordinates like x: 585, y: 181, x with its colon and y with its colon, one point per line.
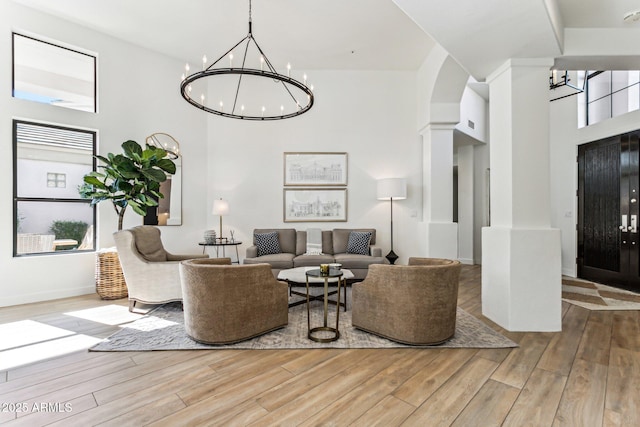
x: 129, y: 179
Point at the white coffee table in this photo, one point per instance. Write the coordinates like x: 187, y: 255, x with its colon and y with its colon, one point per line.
x: 298, y: 276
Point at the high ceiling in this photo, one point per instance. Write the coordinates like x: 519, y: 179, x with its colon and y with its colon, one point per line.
x: 311, y: 34
x: 373, y: 34
x: 579, y: 34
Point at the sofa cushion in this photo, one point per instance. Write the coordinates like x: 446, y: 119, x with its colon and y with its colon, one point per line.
x: 278, y: 261
x: 341, y: 238
x: 286, y: 238
x: 359, y: 242
x: 327, y: 242
x: 354, y: 261
x: 149, y: 244
x: 312, y: 260
x: 267, y: 243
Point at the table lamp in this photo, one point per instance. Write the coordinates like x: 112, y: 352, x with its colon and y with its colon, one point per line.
x: 389, y: 189
x: 221, y: 208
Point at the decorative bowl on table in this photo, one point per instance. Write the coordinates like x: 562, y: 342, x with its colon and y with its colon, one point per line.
x: 210, y: 236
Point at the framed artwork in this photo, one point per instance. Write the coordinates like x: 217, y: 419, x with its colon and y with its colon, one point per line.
x: 315, y: 204
x: 309, y: 169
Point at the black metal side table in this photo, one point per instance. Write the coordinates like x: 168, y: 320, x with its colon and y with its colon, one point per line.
x: 333, y: 275
x: 222, y: 245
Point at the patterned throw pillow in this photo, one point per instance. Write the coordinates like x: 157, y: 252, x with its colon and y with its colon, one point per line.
x: 359, y: 242
x: 267, y: 243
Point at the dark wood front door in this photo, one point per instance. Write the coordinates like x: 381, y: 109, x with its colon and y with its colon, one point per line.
x: 608, y: 215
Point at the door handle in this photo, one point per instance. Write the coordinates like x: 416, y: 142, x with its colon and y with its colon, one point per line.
x: 634, y: 223
x: 623, y: 227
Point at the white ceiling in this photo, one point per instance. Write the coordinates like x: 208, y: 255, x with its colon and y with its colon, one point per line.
x: 579, y: 34
x: 373, y: 34
x: 311, y: 34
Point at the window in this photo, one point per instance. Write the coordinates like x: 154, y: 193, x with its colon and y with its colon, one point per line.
x: 51, y: 74
x: 49, y: 165
x: 610, y: 94
x: 56, y: 180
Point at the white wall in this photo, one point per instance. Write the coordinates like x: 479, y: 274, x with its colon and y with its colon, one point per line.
x: 564, y: 177
x: 474, y: 216
x: 369, y: 115
x: 473, y: 112
x: 138, y: 95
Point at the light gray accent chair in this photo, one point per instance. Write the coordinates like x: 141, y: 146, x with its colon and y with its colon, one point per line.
x: 226, y: 303
x: 293, y: 247
x: 151, y: 272
x: 412, y: 304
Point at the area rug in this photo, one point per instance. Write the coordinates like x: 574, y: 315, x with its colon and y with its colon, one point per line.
x: 595, y: 296
x: 163, y: 329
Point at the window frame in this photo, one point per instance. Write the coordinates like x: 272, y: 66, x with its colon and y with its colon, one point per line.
x: 58, y: 45
x: 610, y: 92
x: 17, y: 199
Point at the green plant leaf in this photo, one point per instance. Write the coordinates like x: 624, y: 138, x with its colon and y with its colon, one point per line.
x: 132, y: 149
x: 125, y: 186
x: 92, y: 180
x: 154, y: 174
x: 167, y: 165
x: 137, y: 208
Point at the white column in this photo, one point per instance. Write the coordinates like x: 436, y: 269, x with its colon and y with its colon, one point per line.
x: 441, y: 231
x: 465, y: 204
x: 521, y: 253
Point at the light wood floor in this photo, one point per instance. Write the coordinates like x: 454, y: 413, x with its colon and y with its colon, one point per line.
x: 587, y: 375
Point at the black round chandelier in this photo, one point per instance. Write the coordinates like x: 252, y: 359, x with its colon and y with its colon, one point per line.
x: 252, y: 91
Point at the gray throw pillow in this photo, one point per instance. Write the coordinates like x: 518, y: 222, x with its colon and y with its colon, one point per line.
x: 267, y: 243
x: 359, y: 242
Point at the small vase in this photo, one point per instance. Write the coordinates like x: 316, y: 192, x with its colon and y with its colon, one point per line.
x: 210, y: 236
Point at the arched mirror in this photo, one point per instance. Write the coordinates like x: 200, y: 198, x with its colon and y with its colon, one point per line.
x: 169, y: 209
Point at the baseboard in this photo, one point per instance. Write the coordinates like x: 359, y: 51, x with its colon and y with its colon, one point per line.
x: 46, y: 296
x: 466, y: 261
x: 569, y: 272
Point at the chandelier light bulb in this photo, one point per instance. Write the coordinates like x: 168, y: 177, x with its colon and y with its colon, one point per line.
x: 183, y: 77
x: 189, y: 89
x: 304, y: 78
x: 202, y: 99
x: 231, y: 60
x: 263, y: 110
x: 204, y: 61
x: 261, y: 63
x: 221, y: 106
x: 186, y: 68
x: 242, y: 108
x: 288, y: 70
x: 282, y: 109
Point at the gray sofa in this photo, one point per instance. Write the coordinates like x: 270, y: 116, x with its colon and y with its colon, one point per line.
x: 293, y: 246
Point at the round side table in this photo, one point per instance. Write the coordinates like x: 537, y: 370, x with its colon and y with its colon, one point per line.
x: 333, y: 274
x: 222, y: 245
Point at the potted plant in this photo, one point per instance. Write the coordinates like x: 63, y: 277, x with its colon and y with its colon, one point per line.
x: 129, y: 179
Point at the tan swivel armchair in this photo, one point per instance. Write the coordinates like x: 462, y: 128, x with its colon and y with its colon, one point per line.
x: 412, y: 304
x: 150, y: 271
x: 224, y: 304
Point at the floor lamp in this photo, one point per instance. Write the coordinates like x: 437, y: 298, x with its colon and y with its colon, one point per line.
x: 389, y: 189
x: 220, y: 207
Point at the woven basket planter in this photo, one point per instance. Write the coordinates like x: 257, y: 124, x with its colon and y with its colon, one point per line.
x: 110, y: 282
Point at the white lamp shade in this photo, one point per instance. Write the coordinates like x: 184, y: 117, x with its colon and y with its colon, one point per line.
x: 395, y: 188
x: 220, y: 207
